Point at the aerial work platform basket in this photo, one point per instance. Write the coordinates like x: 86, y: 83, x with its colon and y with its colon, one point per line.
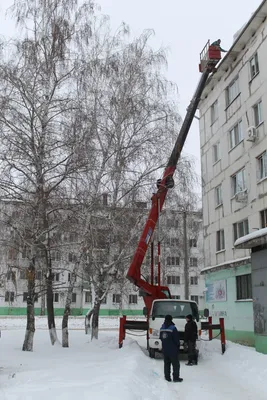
x: 209, y: 57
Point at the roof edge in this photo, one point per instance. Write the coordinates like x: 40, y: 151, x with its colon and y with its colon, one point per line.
x: 227, y: 265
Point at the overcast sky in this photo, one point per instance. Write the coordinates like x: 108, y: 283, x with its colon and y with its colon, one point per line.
x: 181, y: 26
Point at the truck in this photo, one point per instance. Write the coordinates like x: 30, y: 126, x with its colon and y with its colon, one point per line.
x: 157, y: 298
x: 178, y: 309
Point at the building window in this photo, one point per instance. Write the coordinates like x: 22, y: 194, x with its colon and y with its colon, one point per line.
x: 174, y: 242
x: 38, y: 275
x: 238, y: 182
x: 214, y: 112
x: 254, y: 66
x: 9, y: 275
x: 26, y: 253
x: 195, y: 225
x: 173, y: 260
x: 73, y: 237
x: 193, y: 243
x: 104, y: 300
x: 173, y: 280
x: 55, y: 256
x: 116, y: 299
x: 56, y: 297
x: 88, y: 297
x: 25, y: 297
x: 176, y: 297
x: 257, y: 110
x: 132, y: 298
x: 172, y: 223
x: 218, y: 195
x: 236, y: 135
x: 194, y: 298
x: 9, y: 297
x: 240, y: 229
x: 232, y: 91
x: 243, y: 287
x: 216, y: 152
x: 12, y: 254
x: 262, y: 166
x: 193, y: 280
x: 220, y: 245
x: 74, y: 297
x: 72, y: 257
x: 263, y: 217
x: 23, y: 274
x: 75, y: 277
x: 193, y: 262
x: 56, y: 277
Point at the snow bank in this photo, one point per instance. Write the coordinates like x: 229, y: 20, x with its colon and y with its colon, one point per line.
x: 97, y: 370
x: 101, y: 371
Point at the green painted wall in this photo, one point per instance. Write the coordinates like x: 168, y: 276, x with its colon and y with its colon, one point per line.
x: 238, y: 315
x: 74, y: 311
x: 261, y: 343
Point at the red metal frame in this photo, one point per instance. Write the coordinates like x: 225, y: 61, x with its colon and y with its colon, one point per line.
x: 210, y: 326
x: 122, y: 330
x: 210, y: 329
x: 152, y: 264
x: 223, y: 340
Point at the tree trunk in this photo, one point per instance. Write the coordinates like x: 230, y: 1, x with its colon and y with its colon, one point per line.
x: 30, y: 328
x: 65, y: 332
x: 186, y: 267
x: 95, y: 320
x: 50, y: 308
x: 120, y: 305
x: 87, y: 321
x: 42, y: 312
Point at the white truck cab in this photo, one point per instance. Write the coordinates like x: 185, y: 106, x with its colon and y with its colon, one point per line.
x: 178, y: 309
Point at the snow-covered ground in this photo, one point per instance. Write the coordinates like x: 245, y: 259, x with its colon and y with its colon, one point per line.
x: 101, y: 371
x: 14, y: 322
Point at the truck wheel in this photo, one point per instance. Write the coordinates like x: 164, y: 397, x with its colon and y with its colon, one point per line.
x: 152, y: 352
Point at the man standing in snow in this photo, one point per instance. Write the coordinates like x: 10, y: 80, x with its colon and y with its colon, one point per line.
x: 190, y: 337
x: 170, y: 347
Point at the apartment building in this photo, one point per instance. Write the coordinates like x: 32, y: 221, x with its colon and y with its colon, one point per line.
x: 233, y: 142
x: 123, y: 296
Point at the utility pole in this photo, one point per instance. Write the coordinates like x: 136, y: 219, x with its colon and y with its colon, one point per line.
x: 186, y: 267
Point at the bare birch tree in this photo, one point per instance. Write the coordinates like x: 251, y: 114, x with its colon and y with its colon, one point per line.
x: 39, y: 117
x: 133, y: 124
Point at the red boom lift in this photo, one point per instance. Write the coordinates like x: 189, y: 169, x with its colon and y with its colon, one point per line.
x: 209, y: 58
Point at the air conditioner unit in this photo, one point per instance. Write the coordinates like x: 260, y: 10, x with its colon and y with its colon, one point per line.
x: 241, y: 197
x: 252, y: 134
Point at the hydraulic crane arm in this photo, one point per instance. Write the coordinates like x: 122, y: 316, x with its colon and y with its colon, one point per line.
x: 134, y: 273
x: 209, y: 58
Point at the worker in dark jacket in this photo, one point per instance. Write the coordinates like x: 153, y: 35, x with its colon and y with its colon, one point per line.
x: 217, y: 44
x: 190, y: 338
x: 170, y: 348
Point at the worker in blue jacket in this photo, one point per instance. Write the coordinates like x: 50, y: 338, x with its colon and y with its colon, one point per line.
x: 169, y: 337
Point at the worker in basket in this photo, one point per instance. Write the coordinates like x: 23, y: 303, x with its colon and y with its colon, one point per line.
x: 217, y: 44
